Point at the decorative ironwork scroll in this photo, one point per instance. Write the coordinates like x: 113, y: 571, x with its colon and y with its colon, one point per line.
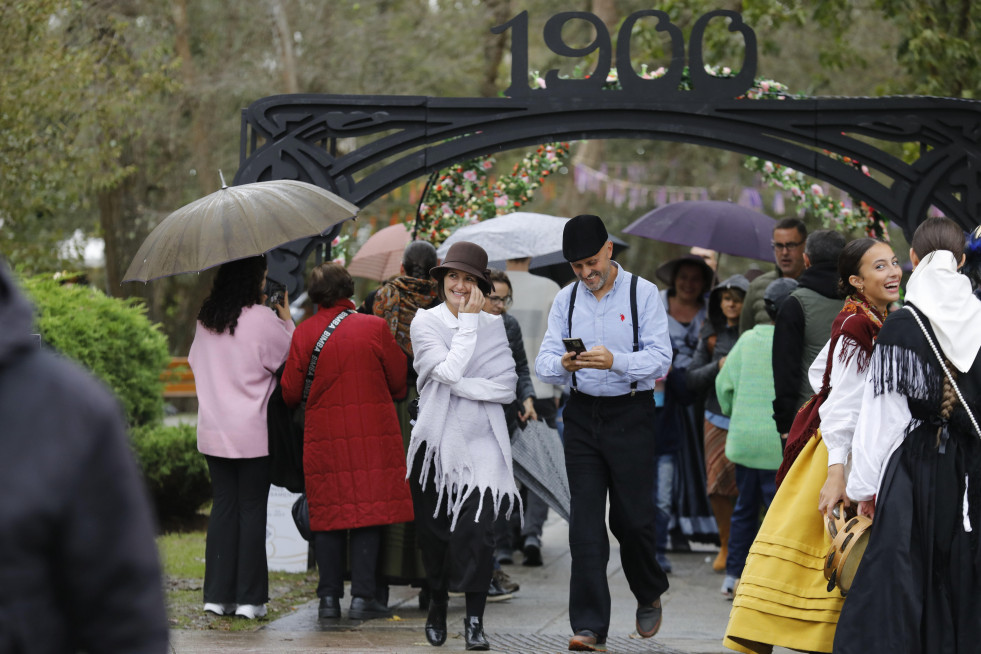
x: 399, y: 138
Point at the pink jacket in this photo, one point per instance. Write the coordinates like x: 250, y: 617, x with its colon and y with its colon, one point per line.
x: 234, y: 379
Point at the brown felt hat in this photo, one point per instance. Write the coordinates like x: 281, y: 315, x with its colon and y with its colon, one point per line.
x: 468, y: 257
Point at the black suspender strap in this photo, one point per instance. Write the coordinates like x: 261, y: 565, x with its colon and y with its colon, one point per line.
x: 316, y: 352
x: 633, y: 316
x: 572, y: 304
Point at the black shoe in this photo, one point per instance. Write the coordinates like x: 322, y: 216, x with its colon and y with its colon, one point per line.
x: 473, y: 633
x: 363, y: 608
x: 533, y: 551
x: 649, y: 619
x: 495, y: 593
x: 436, y: 623
x: 330, y: 607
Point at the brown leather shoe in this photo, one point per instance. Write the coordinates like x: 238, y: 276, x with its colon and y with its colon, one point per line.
x: 649, y: 619
x: 587, y: 641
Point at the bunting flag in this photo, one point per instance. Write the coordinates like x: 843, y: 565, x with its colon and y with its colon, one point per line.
x: 622, y: 185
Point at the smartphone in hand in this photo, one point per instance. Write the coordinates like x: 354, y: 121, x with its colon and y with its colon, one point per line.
x: 574, y: 345
x: 275, y: 293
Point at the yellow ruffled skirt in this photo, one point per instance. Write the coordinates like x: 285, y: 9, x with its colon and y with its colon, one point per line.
x: 782, y: 598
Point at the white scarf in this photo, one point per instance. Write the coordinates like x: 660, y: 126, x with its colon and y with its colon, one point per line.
x: 944, y: 296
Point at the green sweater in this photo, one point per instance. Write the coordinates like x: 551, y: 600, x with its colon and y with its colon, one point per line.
x: 744, y: 387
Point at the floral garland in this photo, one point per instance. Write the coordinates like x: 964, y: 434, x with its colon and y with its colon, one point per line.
x: 834, y: 214
x: 462, y: 194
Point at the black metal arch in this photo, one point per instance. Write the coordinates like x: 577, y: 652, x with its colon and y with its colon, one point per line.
x: 400, y: 138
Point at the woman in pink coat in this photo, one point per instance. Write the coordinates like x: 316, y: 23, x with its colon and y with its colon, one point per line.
x: 238, y: 346
x: 353, y: 461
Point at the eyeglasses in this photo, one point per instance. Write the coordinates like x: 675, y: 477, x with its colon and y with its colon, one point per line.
x: 506, y: 300
x: 793, y: 245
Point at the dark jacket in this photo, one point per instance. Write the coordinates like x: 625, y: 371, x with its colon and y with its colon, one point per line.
x: 704, y: 366
x: 78, y: 562
x: 525, y: 388
x: 793, y: 349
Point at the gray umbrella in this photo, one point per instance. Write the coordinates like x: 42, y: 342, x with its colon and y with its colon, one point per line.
x: 236, y: 222
x: 539, y: 464
x: 512, y: 236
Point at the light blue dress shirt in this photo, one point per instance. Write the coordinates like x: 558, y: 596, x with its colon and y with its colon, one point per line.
x: 607, y: 322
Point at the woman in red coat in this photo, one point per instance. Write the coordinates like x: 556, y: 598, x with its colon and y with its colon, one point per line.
x: 353, y: 460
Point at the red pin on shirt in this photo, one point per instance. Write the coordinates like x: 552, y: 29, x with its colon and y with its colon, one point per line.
x: 622, y: 317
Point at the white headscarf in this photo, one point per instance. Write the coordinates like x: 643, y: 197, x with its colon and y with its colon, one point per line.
x: 944, y: 296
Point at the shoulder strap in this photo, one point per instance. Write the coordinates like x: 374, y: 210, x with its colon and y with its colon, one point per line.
x: 316, y: 352
x: 943, y: 365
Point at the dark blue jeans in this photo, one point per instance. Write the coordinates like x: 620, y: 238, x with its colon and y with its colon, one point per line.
x: 756, y: 490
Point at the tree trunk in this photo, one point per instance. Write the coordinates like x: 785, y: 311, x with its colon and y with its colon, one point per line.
x: 498, y: 11
x: 286, y: 57
x: 202, y: 161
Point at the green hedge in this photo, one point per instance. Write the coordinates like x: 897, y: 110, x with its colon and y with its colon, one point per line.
x: 113, y: 338
x: 176, y: 473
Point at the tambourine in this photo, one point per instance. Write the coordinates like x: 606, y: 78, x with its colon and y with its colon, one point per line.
x: 849, y: 538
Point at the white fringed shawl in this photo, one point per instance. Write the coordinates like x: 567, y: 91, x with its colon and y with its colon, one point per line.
x: 461, y: 417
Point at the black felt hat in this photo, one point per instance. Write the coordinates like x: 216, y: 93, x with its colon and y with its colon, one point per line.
x: 583, y: 236
x: 468, y: 257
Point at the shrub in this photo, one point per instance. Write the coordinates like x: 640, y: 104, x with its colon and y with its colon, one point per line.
x: 113, y: 338
x: 176, y: 473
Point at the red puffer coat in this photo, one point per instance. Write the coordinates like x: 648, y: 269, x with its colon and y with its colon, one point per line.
x: 353, y: 459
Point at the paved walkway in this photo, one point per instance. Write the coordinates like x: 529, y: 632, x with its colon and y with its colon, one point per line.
x: 535, y: 621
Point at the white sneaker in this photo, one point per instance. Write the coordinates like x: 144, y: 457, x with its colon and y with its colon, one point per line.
x: 219, y: 609
x: 251, y: 611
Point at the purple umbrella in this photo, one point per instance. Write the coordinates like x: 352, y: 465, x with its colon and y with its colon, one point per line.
x: 720, y: 226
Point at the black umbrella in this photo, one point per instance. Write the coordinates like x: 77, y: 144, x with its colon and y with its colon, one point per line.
x: 720, y: 226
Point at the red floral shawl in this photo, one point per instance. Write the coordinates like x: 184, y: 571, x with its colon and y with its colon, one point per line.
x: 860, y: 322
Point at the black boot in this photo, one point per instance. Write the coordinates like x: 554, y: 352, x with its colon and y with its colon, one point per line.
x: 436, y: 622
x: 330, y: 607
x: 473, y: 632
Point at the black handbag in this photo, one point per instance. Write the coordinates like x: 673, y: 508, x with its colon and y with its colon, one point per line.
x: 301, y: 517
x: 285, y: 424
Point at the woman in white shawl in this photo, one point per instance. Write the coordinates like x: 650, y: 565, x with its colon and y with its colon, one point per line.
x: 916, y: 466
x: 459, y: 457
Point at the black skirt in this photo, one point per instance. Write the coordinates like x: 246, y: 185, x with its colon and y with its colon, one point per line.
x: 918, y: 588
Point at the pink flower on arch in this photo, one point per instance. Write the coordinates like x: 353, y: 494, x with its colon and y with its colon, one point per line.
x: 502, y: 201
x: 470, y: 176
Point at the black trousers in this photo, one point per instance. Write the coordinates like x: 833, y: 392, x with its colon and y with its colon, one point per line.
x: 609, y: 447
x: 461, y: 560
x: 331, y: 548
x: 235, y: 569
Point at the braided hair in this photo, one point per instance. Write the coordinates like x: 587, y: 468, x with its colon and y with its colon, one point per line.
x: 948, y: 398
x: 237, y: 285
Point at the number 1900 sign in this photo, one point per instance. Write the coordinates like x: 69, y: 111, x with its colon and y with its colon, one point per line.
x: 630, y: 81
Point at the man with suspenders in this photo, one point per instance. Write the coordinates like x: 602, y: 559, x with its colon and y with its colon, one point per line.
x: 609, y: 425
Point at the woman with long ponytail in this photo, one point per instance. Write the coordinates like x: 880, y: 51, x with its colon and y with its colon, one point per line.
x: 916, y: 465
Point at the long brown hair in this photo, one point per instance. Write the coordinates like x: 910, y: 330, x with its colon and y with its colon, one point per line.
x: 938, y: 234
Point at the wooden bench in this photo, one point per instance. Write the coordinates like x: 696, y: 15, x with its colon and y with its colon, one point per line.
x: 178, y: 379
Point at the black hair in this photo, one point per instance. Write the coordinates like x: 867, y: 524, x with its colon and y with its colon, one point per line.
x: 418, y: 258
x: 237, y: 285
x: 792, y: 223
x: 850, y: 261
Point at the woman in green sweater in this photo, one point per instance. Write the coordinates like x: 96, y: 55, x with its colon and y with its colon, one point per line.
x: 744, y: 387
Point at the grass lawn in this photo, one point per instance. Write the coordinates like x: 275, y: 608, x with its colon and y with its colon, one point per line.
x: 182, y: 555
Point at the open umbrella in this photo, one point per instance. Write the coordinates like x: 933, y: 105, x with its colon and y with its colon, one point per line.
x: 512, y: 236
x: 236, y: 222
x: 720, y: 226
x: 539, y: 464
x: 381, y: 255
